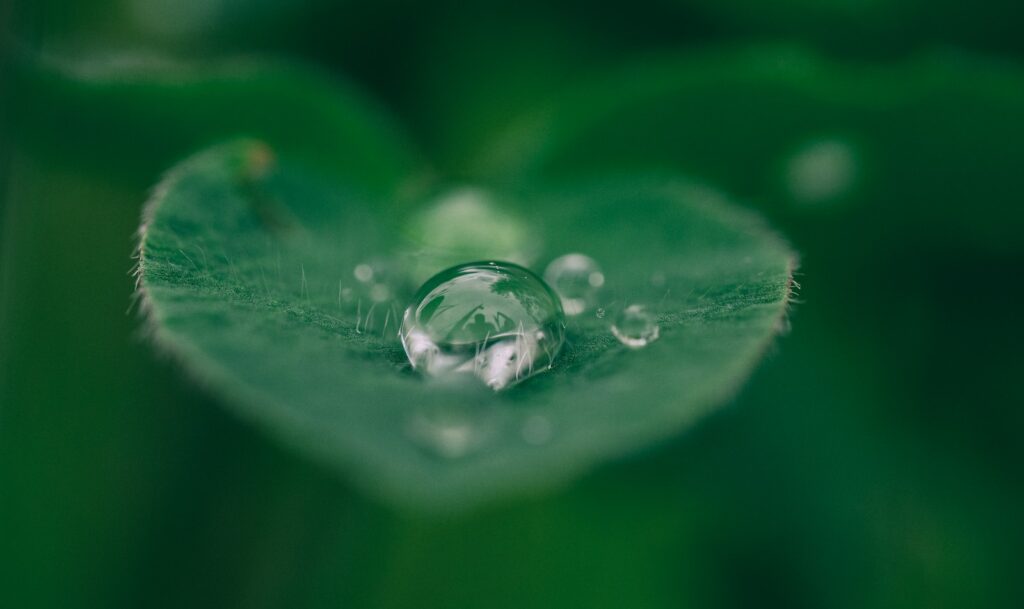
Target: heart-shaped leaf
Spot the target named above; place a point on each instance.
(251, 272)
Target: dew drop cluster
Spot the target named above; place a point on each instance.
(501, 324)
(495, 321)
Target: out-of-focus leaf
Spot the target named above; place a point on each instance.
(929, 149)
(135, 116)
(868, 27)
(243, 266)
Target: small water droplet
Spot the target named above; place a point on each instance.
(496, 321)
(636, 327)
(378, 280)
(380, 292)
(536, 429)
(363, 272)
(600, 313)
(577, 278)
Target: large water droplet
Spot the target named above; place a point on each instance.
(636, 327)
(496, 321)
(577, 278)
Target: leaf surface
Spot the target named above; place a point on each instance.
(246, 271)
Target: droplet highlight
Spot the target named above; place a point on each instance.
(578, 280)
(363, 272)
(636, 326)
(495, 321)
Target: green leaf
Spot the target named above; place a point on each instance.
(135, 115)
(870, 29)
(930, 145)
(242, 267)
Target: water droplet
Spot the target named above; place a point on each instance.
(496, 321)
(821, 171)
(377, 281)
(636, 327)
(363, 272)
(600, 313)
(577, 278)
(380, 292)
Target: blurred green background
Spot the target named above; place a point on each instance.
(874, 460)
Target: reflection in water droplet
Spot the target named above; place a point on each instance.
(636, 327)
(577, 278)
(496, 321)
(821, 171)
(536, 429)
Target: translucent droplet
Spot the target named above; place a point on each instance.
(578, 279)
(363, 272)
(377, 281)
(496, 321)
(636, 327)
(372, 301)
(600, 313)
(380, 292)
